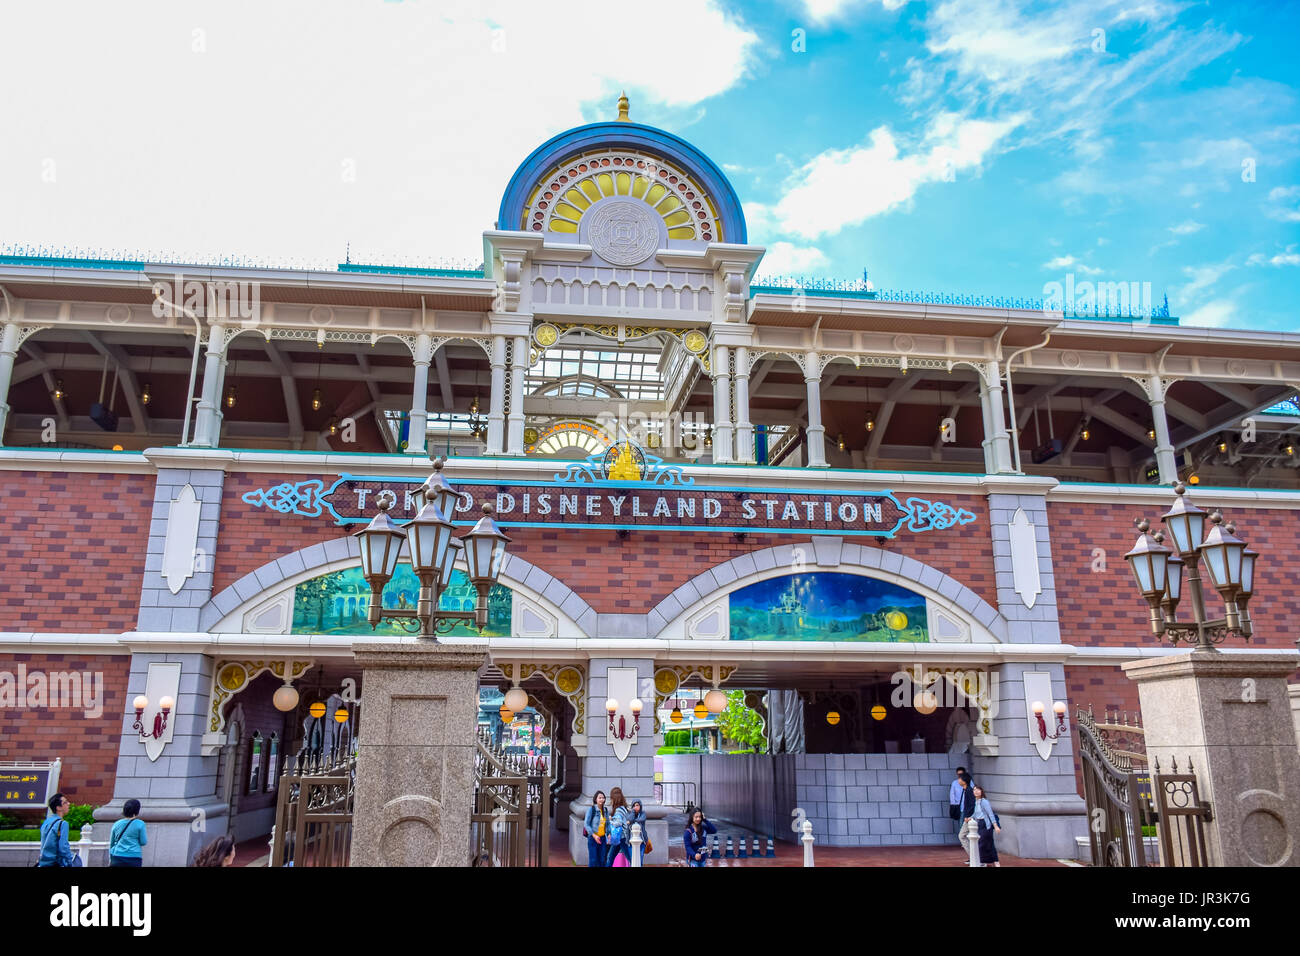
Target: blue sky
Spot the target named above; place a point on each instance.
(968, 146)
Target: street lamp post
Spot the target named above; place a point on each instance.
(433, 555)
(1159, 571)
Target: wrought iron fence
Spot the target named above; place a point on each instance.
(313, 815)
(510, 823)
(1183, 815)
(1117, 794)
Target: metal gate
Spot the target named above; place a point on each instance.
(313, 815)
(1117, 794)
(1183, 815)
(510, 824)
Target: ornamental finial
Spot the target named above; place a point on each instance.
(622, 108)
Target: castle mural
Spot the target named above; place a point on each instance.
(336, 603)
(827, 607)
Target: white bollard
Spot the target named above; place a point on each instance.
(973, 835)
(84, 851)
(270, 846)
(807, 839)
(636, 844)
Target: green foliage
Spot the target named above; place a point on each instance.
(742, 724)
(32, 835)
(79, 815)
(9, 822)
(677, 738)
(681, 750)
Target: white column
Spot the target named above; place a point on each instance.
(816, 433)
(518, 365)
(497, 402)
(219, 412)
(990, 455)
(417, 431)
(8, 349)
(998, 417)
(744, 427)
(722, 448)
(205, 417)
(1165, 460)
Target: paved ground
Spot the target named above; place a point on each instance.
(787, 854)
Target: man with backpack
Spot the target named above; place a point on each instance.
(55, 848)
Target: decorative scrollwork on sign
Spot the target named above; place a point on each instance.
(302, 498)
(925, 515)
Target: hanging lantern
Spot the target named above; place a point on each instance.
(506, 714)
(516, 699)
(878, 712)
(146, 395)
(315, 400)
(716, 701)
(334, 426)
(1223, 446)
(839, 441)
(230, 397)
(317, 709)
(832, 717)
(285, 698)
(58, 394)
(676, 715)
(1151, 433)
(701, 711)
(925, 702)
(1085, 434)
(708, 437)
(871, 423)
(341, 715)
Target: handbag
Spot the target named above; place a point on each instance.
(649, 847)
(954, 811)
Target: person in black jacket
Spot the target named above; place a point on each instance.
(967, 807)
(696, 838)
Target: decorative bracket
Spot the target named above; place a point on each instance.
(570, 680)
(230, 677)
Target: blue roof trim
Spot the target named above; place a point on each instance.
(412, 271)
(60, 262)
(627, 136)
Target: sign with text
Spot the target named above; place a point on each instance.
(27, 786)
(593, 503)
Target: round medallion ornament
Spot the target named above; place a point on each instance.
(568, 680)
(695, 341)
(624, 232)
(546, 335)
(531, 435)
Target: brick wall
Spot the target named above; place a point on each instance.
(87, 745)
(1107, 690)
(1104, 607)
(73, 547)
(613, 575)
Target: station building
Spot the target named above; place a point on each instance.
(895, 520)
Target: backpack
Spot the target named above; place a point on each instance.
(617, 829)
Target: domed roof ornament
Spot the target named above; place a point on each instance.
(622, 108)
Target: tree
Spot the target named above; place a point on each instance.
(742, 724)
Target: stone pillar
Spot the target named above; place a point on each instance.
(744, 427)
(816, 432)
(206, 428)
(518, 365)
(497, 402)
(178, 791)
(722, 429)
(417, 432)
(415, 757)
(1228, 716)
(8, 349)
(1030, 783)
(602, 770)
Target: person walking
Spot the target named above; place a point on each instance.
(127, 837)
(596, 827)
(220, 852)
(55, 848)
(954, 802)
(967, 810)
(620, 825)
(988, 824)
(696, 838)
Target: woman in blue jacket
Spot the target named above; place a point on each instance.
(127, 837)
(696, 838)
(988, 824)
(596, 825)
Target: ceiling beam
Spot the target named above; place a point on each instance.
(293, 410)
(896, 390)
(444, 379)
(130, 387)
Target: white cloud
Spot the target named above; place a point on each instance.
(1202, 277)
(1214, 314)
(824, 11)
(1187, 228)
(1288, 258)
(787, 259)
(315, 122)
(1283, 192)
(1070, 262)
(843, 187)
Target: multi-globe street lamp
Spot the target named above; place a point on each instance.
(433, 555)
(1159, 571)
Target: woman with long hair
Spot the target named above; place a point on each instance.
(696, 838)
(220, 852)
(127, 837)
(620, 822)
(988, 824)
(595, 826)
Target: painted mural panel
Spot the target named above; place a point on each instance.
(827, 606)
(336, 603)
